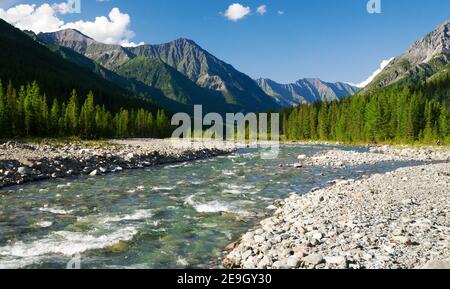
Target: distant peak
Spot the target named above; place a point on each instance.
(181, 39)
(69, 33)
(309, 80)
(184, 41)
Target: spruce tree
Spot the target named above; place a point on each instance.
(4, 132)
(72, 115)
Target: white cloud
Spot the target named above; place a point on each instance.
(261, 10)
(280, 12)
(366, 82)
(236, 12)
(131, 44)
(31, 17)
(111, 29)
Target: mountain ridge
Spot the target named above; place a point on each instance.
(420, 61)
(306, 90)
(237, 91)
(56, 75)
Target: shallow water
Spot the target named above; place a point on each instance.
(175, 216)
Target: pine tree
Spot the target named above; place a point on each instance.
(27, 113)
(20, 114)
(87, 117)
(443, 123)
(54, 118)
(72, 115)
(323, 124)
(162, 124)
(44, 117)
(13, 110)
(4, 125)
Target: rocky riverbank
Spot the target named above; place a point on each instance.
(396, 220)
(25, 162)
(340, 158)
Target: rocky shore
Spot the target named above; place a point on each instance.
(25, 162)
(399, 219)
(340, 158)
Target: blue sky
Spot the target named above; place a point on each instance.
(335, 40)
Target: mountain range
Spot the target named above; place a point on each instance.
(308, 90)
(179, 74)
(185, 73)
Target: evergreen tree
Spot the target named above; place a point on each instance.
(87, 117)
(55, 115)
(443, 123)
(72, 115)
(323, 123)
(4, 125)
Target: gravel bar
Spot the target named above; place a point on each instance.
(400, 219)
(25, 162)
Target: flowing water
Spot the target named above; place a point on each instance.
(175, 216)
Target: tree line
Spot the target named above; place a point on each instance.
(403, 113)
(26, 112)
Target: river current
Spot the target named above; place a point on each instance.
(173, 216)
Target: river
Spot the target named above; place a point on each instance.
(174, 216)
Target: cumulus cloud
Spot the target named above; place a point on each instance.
(366, 82)
(236, 12)
(261, 10)
(111, 29)
(31, 17)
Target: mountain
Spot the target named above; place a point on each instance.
(108, 55)
(176, 87)
(209, 72)
(307, 90)
(218, 84)
(23, 59)
(422, 60)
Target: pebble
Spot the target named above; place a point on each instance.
(293, 262)
(313, 259)
(94, 173)
(339, 260)
(24, 171)
(437, 265)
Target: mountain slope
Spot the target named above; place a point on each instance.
(135, 86)
(221, 84)
(307, 90)
(209, 72)
(22, 59)
(108, 55)
(422, 60)
(153, 72)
